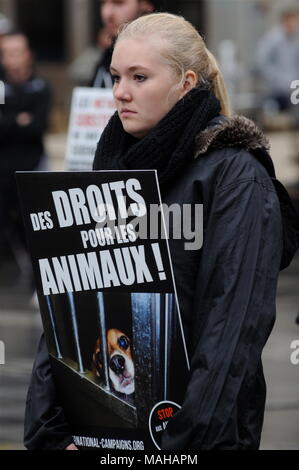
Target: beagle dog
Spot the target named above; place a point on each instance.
(120, 362)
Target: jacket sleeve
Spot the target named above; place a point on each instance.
(45, 426)
(234, 312)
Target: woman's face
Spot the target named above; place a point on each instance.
(145, 88)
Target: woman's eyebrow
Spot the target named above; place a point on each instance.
(112, 68)
(130, 69)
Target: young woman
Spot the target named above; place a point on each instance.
(173, 115)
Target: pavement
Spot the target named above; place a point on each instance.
(20, 328)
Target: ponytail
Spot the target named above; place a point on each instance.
(216, 79)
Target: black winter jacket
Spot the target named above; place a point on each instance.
(226, 292)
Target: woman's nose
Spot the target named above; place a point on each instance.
(122, 91)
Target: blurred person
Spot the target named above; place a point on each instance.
(277, 60)
(82, 68)
(5, 28)
(114, 13)
(5, 25)
(23, 122)
(173, 115)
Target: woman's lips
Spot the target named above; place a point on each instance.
(127, 112)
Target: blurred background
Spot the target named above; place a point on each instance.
(257, 45)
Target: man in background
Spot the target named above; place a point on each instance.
(278, 61)
(114, 13)
(23, 122)
(82, 68)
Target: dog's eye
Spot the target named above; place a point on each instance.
(123, 342)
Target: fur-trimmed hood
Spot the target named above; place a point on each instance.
(237, 131)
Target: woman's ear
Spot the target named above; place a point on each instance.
(190, 81)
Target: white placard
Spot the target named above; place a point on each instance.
(91, 110)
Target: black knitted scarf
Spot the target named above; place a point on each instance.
(168, 147)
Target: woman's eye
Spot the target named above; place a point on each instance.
(115, 78)
(139, 78)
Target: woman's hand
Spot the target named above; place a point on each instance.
(71, 447)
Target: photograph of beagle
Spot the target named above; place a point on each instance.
(120, 361)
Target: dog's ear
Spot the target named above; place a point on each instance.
(97, 365)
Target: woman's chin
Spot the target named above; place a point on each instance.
(138, 134)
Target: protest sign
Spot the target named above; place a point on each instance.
(91, 110)
(108, 303)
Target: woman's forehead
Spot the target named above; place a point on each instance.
(130, 53)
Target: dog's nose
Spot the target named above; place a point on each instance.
(117, 364)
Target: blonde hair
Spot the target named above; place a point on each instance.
(183, 49)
